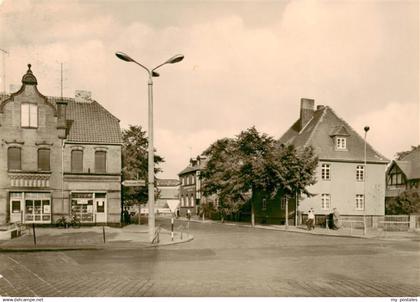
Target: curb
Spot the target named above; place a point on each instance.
(107, 246)
(298, 231)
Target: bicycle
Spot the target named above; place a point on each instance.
(63, 223)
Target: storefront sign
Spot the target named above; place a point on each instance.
(47, 209)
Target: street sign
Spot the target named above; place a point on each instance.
(173, 204)
(134, 183)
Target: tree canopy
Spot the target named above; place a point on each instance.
(135, 162)
(252, 162)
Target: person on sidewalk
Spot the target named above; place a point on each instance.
(336, 219)
(188, 214)
(126, 216)
(311, 220)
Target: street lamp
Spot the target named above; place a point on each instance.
(364, 185)
(151, 173)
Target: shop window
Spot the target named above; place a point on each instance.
(29, 115)
(100, 161)
(44, 160)
(14, 160)
(37, 207)
(82, 206)
(77, 161)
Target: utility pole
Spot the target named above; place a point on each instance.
(4, 53)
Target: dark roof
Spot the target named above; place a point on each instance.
(319, 133)
(191, 168)
(410, 164)
(90, 122)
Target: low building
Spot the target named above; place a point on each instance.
(58, 157)
(343, 180)
(403, 178)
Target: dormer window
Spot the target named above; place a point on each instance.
(29, 115)
(340, 143)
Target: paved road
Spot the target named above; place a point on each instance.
(222, 260)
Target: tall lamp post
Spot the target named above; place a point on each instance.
(151, 164)
(364, 184)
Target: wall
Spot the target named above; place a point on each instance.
(343, 188)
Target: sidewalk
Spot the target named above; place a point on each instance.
(320, 231)
(89, 238)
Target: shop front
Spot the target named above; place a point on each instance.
(30, 207)
(89, 207)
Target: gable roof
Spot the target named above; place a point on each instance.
(410, 164)
(89, 122)
(319, 133)
(196, 167)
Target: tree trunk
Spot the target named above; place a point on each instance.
(286, 213)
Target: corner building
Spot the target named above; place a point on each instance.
(58, 157)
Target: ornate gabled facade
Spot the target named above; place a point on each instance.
(58, 157)
(343, 181)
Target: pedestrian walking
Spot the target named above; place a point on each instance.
(189, 214)
(336, 219)
(311, 220)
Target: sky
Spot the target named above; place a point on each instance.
(247, 63)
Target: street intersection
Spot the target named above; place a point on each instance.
(222, 260)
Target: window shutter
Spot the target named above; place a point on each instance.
(100, 161)
(77, 161)
(44, 159)
(14, 158)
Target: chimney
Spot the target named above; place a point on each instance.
(82, 96)
(61, 118)
(306, 111)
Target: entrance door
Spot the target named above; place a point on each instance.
(16, 207)
(100, 204)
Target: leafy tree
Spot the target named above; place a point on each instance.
(254, 163)
(406, 203)
(135, 163)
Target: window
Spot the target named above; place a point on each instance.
(325, 201)
(14, 158)
(360, 202)
(264, 204)
(191, 201)
(100, 162)
(325, 172)
(283, 202)
(29, 115)
(360, 173)
(44, 159)
(37, 207)
(77, 161)
(340, 143)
